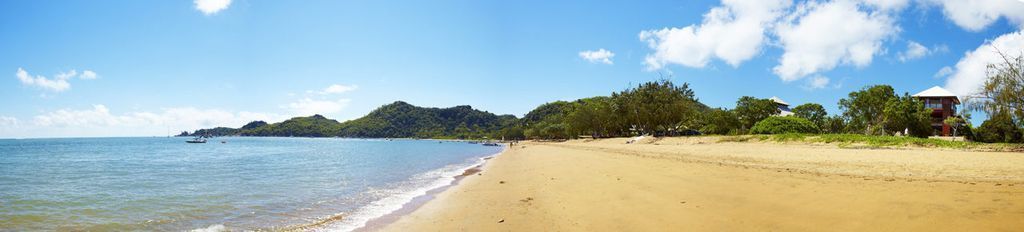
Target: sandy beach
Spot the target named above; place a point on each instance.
(699, 184)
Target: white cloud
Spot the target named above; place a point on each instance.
(887, 5)
(599, 55)
(101, 121)
(943, 72)
(817, 82)
(916, 51)
(817, 37)
(308, 106)
(88, 75)
(6, 122)
(971, 70)
(59, 83)
(975, 15)
(56, 85)
(209, 7)
(66, 75)
(336, 89)
(733, 32)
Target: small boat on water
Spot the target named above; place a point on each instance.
(196, 140)
(492, 144)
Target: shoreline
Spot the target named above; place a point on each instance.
(417, 202)
(691, 184)
(332, 223)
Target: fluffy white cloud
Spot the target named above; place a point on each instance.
(66, 75)
(185, 117)
(599, 55)
(971, 70)
(915, 51)
(209, 7)
(336, 89)
(817, 37)
(8, 122)
(88, 75)
(733, 32)
(887, 5)
(943, 72)
(308, 106)
(975, 15)
(817, 82)
(56, 85)
(101, 121)
(59, 83)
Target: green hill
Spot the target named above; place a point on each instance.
(395, 120)
(402, 120)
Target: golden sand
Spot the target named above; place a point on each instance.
(698, 184)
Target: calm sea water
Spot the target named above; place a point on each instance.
(119, 184)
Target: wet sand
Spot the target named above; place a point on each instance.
(699, 184)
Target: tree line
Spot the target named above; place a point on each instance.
(665, 108)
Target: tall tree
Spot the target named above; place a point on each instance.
(720, 121)
(999, 128)
(592, 116)
(907, 114)
(751, 110)
(657, 107)
(864, 108)
(1003, 91)
(834, 125)
(813, 112)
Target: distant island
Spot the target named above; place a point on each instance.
(395, 120)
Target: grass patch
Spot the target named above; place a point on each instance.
(875, 141)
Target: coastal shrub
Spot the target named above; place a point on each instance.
(833, 125)
(864, 108)
(1000, 128)
(784, 125)
(719, 122)
(907, 114)
(813, 112)
(750, 110)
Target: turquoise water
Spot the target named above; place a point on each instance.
(143, 184)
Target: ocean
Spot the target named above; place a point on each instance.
(245, 183)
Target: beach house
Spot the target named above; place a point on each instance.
(943, 104)
(782, 105)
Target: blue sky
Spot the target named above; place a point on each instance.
(158, 66)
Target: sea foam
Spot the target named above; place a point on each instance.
(418, 185)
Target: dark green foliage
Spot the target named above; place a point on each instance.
(312, 126)
(511, 132)
(549, 112)
(253, 125)
(907, 114)
(783, 125)
(751, 110)
(833, 125)
(217, 131)
(593, 116)
(720, 122)
(865, 108)
(658, 107)
(812, 112)
(396, 120)
(547, 121)
(402, 120)
(999, 128)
